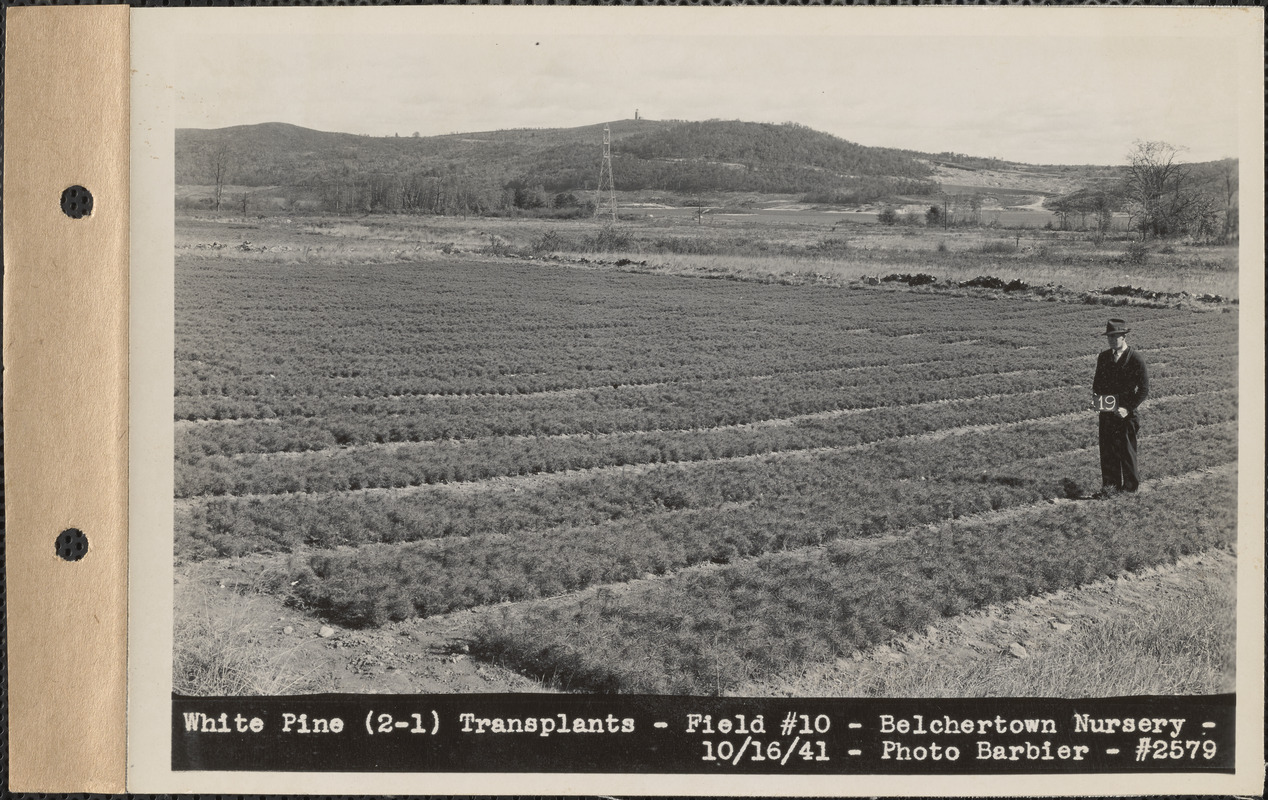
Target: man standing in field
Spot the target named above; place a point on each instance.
(1120, 386)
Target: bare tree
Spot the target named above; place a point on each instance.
(1159, 184)
(1100, 202)
(1229, 186)
(975, 209)
(218, 169)
(1205, 215)
(1104, 209)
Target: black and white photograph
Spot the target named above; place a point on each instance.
(706, 355)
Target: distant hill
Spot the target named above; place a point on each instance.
(277, 153)
(647, 154)
(526, 167)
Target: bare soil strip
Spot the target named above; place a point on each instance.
(566, 392)
(778, 422)
(514, 482)
(191, 424)
(572, 390)
(988, 518)
(185, 424)
(1018, 512)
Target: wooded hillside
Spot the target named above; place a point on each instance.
(287, 167)
(647, 154)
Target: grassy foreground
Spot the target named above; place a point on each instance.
(707, 631)
(221, 646)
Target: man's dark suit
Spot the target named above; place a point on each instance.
(1128, 381)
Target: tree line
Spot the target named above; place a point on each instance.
(1162, 196)
(472, 193)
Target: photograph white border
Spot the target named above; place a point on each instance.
(156, 84)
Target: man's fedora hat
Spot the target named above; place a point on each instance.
(1116, 327)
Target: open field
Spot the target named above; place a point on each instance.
(808, 245)
(648, 481)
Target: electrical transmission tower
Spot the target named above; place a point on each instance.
(605, 205)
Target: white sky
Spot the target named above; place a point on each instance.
(1064, 86)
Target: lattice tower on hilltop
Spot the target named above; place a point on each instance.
(605, 196)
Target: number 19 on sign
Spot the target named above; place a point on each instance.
(1106, 402)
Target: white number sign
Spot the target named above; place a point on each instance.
(1106, 402)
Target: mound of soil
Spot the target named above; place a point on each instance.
(919, 279)
(1147, 294)
(992, 282)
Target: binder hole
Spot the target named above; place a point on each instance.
(77, 202)
(71, 544)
